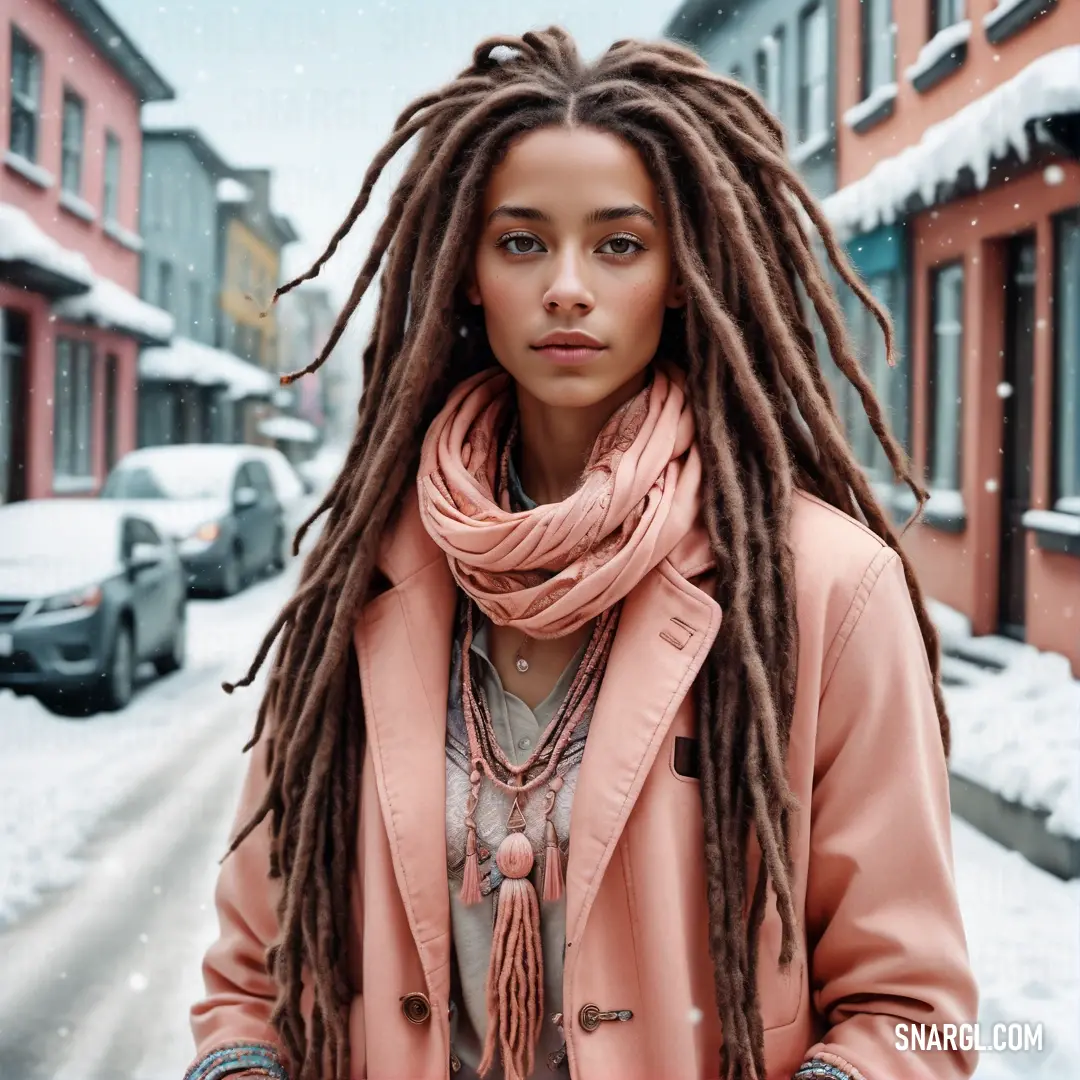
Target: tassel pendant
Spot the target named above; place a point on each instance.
(470, 878)
(515, 981)
(553, 874)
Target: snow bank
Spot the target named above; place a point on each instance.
(970, 139)
(184, 360)
(938, 47)
(23, 241)
(111, 306)
(1016, 732)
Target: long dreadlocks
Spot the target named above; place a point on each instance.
(742, 225)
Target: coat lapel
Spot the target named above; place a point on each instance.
(403, 640)
(665, 632)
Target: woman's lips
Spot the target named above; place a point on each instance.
(569, 354)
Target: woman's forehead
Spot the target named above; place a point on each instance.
(569, 173)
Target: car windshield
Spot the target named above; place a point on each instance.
(169, 478)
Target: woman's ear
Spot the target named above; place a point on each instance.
(676, 297)
(472, 290)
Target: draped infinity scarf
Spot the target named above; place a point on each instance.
(549, 570)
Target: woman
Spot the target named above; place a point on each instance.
(604, 733)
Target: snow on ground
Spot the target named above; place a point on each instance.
(59, 778)
(1023, 932)
(1016, 732)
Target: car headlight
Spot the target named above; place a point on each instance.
(81, 598)
(208, 532)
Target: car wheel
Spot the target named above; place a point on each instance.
(173, 660)
(119, 678)
(278, 556)
(231, 579)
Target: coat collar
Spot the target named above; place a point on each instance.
(403, 642)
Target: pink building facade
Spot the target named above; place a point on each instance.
(71, 322)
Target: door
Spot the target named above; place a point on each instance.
(1017, 431)
(12, 434)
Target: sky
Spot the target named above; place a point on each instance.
(311, 88)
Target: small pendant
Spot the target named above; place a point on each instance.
(522, 664)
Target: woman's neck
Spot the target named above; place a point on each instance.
(555, 441)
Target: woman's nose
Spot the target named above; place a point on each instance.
(569, 289)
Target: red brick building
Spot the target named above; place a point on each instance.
(959, 194)
(71, 321)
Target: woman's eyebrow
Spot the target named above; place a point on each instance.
(595, 217)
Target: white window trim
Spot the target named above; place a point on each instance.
(125, 237)
(28, 169)
(69, 485)
(76, 205)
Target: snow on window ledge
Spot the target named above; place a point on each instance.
(1052, 521)
(71, 485)
(810, 146)
(937, 50)
(1068, 504)
(77, 206)
(944, 509)
(125, 237)
(28, 170)
(873, 108)
(1010, 16)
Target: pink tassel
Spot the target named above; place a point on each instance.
(470, 881)
(515, 982)
(553, 876)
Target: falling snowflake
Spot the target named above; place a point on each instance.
(1004, 390)
(991, 485)
(138, 982)
(695, 1016)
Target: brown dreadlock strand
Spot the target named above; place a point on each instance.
(766, 426)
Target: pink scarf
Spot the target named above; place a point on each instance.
(550, 570)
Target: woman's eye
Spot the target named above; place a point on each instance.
(519, 244)
(621, 245)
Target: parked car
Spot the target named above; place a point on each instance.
(88, 590)
(290, 485)
(217, 502)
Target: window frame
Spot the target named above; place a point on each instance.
(25, 103)
(946, 13)
(72, 149)
(869, 39)
(166, 285)
(73, 412)
(110, 184)
(945, 477)
(813, 86)
(1066, 487)
(769, 68)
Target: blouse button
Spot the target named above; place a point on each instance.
(525, 744)
(416, 1007)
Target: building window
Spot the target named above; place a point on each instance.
(945, 381)
(111, 197)
(736, 73)
(25, 96)
(165, 286)
(73, 410)
(878, 46)
(195, 306)
(769, 62)
(1067, 347)
(71, 149)
(945, 13)
(813, 119)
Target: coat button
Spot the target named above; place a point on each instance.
(590, 1017)
(417, 1008)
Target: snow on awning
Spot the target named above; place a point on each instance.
(985, 130)
(184, 360)
(30, 257)
(289, 429)
(112, 307)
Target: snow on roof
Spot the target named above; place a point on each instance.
(23, 241)
(184, 360)
(971, 138)
(289, 429)
(111, 306)
(232, 191)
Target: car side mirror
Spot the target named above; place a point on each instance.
(143, 556)
(245, 497)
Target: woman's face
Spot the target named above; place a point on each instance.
(573, 265)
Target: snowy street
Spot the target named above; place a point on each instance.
(108, 872)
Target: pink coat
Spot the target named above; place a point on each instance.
(882, 940)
